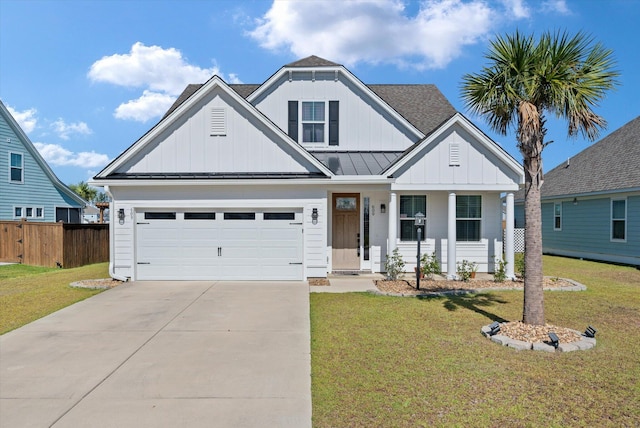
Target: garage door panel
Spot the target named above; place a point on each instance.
(220, 247)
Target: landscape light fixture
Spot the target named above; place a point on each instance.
(554, 339)
(121, 215)
(418, 222)
(590, 332)
(494, 328)
(314, 216)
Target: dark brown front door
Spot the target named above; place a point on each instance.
(346, 231)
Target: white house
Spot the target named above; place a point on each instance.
(309, 173)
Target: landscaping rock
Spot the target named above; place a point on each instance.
(519, 345)
(539, 346)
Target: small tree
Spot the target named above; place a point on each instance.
(85, 191)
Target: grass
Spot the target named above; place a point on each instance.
(28, 292)
(382, 361)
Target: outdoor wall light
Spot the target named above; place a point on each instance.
(554, 339)
(494, 328)
(314, 216)
(575, 201)
(121, 216)
(590, 332)
(383, 208)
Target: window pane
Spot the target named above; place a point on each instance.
(618, 209)
(412, 204)
(239, 216)
(16, 160)
(469, 206)
(313, 111)
(346, 204)
(39, 212)
(29, 212)
(199, 216)
(618, 229)
(557, 208)
(557, 223)
(160, 216)
(279, 216)
(318, 111)
(408, 231)
(16, 174)
(307, 111)
(467, 230)
(313, 133)
(17, 212)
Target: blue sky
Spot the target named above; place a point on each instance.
(86, 79)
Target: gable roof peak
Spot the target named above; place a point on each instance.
(312, 61)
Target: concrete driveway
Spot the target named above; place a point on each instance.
(164, 354)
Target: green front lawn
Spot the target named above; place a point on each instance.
(405, 362)
(28, 292)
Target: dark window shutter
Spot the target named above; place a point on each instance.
(333, 122)
(293, 120)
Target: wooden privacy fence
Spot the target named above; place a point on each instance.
(53, 244)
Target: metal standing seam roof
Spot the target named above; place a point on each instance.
(611, 164)
(356, 163)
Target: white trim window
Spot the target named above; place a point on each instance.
(313, 121)
(18, 212)
(468, 218)
(619, 220)
(557, 216)
(410, 205)
(16, 167)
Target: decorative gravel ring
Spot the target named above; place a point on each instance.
(582, 344)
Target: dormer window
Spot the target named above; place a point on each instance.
(317, 121)
(313, 122)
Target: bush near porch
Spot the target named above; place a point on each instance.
(381, 361)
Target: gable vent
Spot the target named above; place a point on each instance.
(454, 154)
(218, 121)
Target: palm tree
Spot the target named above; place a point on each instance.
(559, 74)
(85, 191)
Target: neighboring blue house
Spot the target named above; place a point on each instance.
(591, 203)
(28, 187)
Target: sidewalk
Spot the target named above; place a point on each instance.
(348, 283)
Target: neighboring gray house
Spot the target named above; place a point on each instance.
(308, 173)
(591, 202)
(28, 187)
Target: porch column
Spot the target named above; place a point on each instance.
(451, 237)
(393, 223)
(509, 238)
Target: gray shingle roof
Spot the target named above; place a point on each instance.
(611, 164)
(423, 106)
(356, 163)
(312, 61)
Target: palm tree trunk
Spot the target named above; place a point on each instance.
(533, 312)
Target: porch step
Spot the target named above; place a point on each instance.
(350, 272)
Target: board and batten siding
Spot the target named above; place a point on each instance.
(246, 146)
(219, 199)
(363, 124)
(586, 230)
(476, 165)
(36, 190)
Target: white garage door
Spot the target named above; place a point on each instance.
(219, 245)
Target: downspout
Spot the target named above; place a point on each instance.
(112, 250)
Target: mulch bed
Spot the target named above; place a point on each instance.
(104, 283)
(408, 287)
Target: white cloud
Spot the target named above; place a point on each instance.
(63, 129)
(151, 67)
(517, 8)
(161, 73)
(26, 118)
(375, 30)
(148, 106)
(57, 155)
(557, 6)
